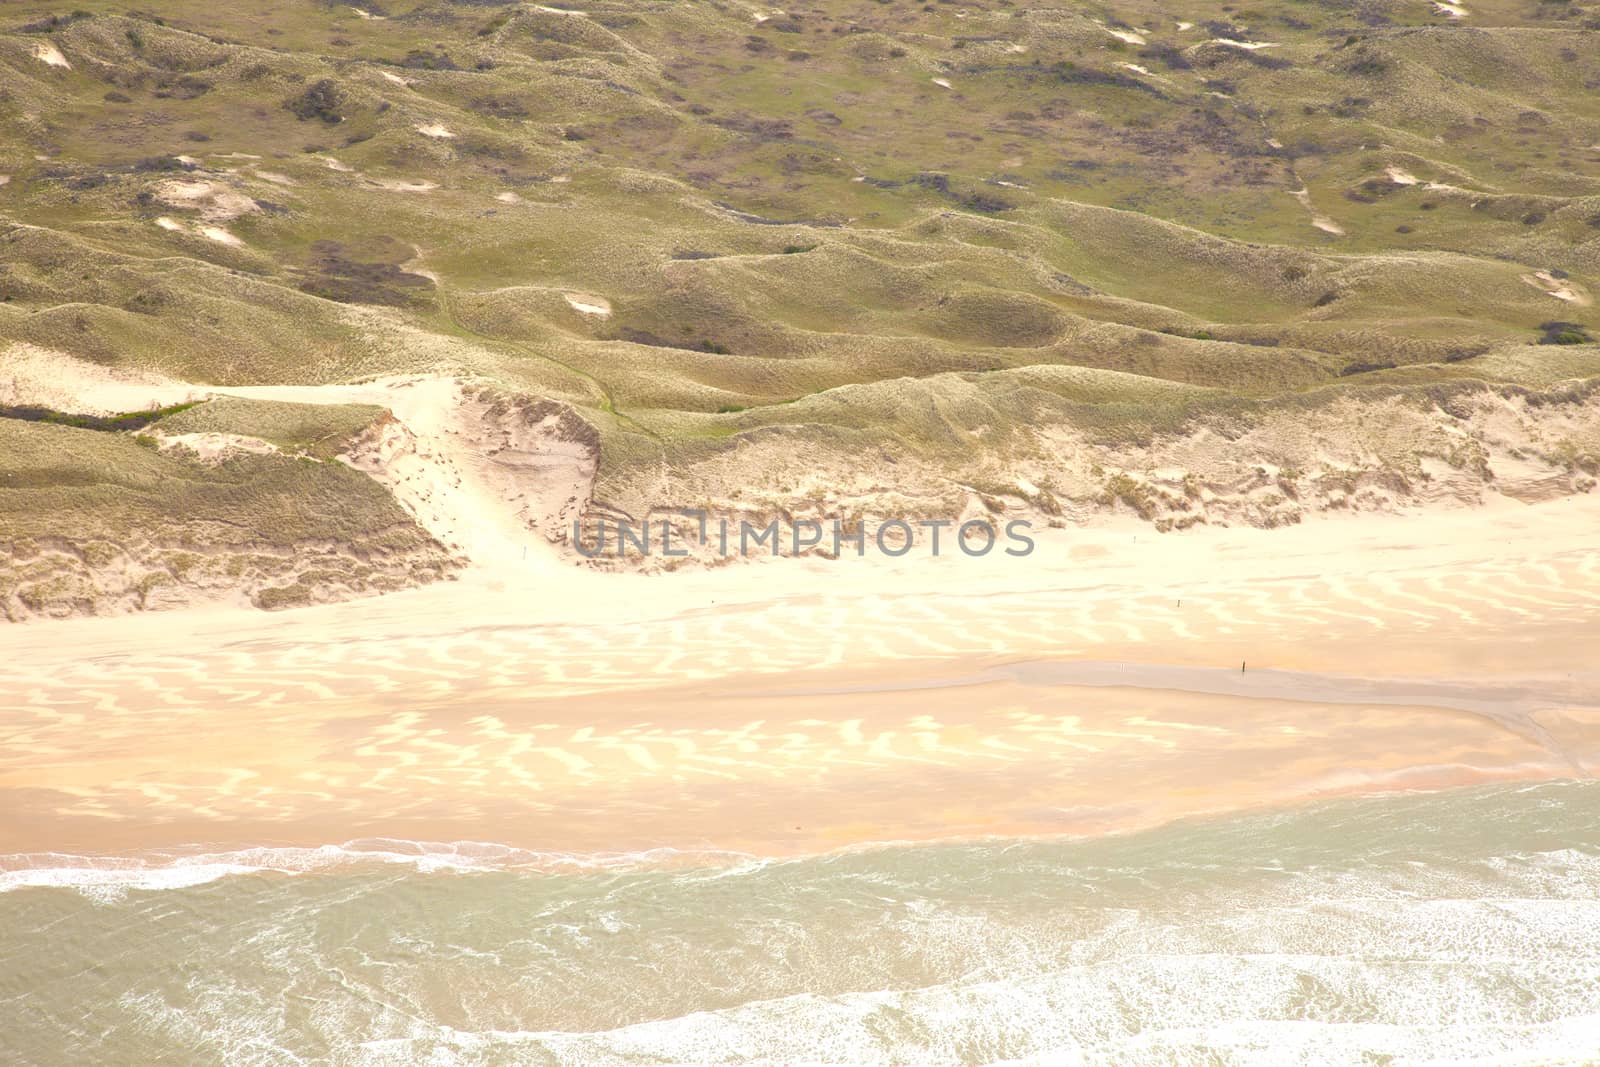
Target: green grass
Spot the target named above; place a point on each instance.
(803, 236)
(91, 520)
(94, 485)
(318, 430)
(128, 420)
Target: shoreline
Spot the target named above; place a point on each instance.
(1089, 690)
(185, 865)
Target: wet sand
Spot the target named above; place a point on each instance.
(797, 706)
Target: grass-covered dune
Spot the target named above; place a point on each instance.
(97, 521)
(972, 242)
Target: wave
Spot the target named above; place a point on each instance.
(183, 868)
(1005, 1024)
(1135, 1006)
(1480, 820)
(1456, 927)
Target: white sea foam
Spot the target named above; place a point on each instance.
(1151, 1010)
(179, 869)
(1458, 927)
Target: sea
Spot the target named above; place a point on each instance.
(1456, 927)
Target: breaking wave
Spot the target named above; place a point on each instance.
(1454, 927)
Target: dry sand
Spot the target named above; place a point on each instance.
(395, 185)
(484, 489)
(1557, 287)
(49, 54)
(213, 447)
(1250, 46)
(791, 706)
(588, 304)
(214, 201)
(1319, 220)
(1126, 36)
(221, 236)
(784, 706)
(46, 377)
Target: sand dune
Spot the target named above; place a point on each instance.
(48, 378)
(478, 487)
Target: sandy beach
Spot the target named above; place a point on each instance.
(788, 707)
(862, 534)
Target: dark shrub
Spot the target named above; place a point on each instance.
(320, 101)
(1564, 333)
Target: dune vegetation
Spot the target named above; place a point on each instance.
(1211, 264)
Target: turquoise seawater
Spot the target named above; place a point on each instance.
(1451, 928)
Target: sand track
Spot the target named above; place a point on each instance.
(477, 468)
(32, 375)
(479, 475)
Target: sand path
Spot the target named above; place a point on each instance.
(452, 475)
(469, 484)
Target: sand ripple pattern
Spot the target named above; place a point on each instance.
(532, 718)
